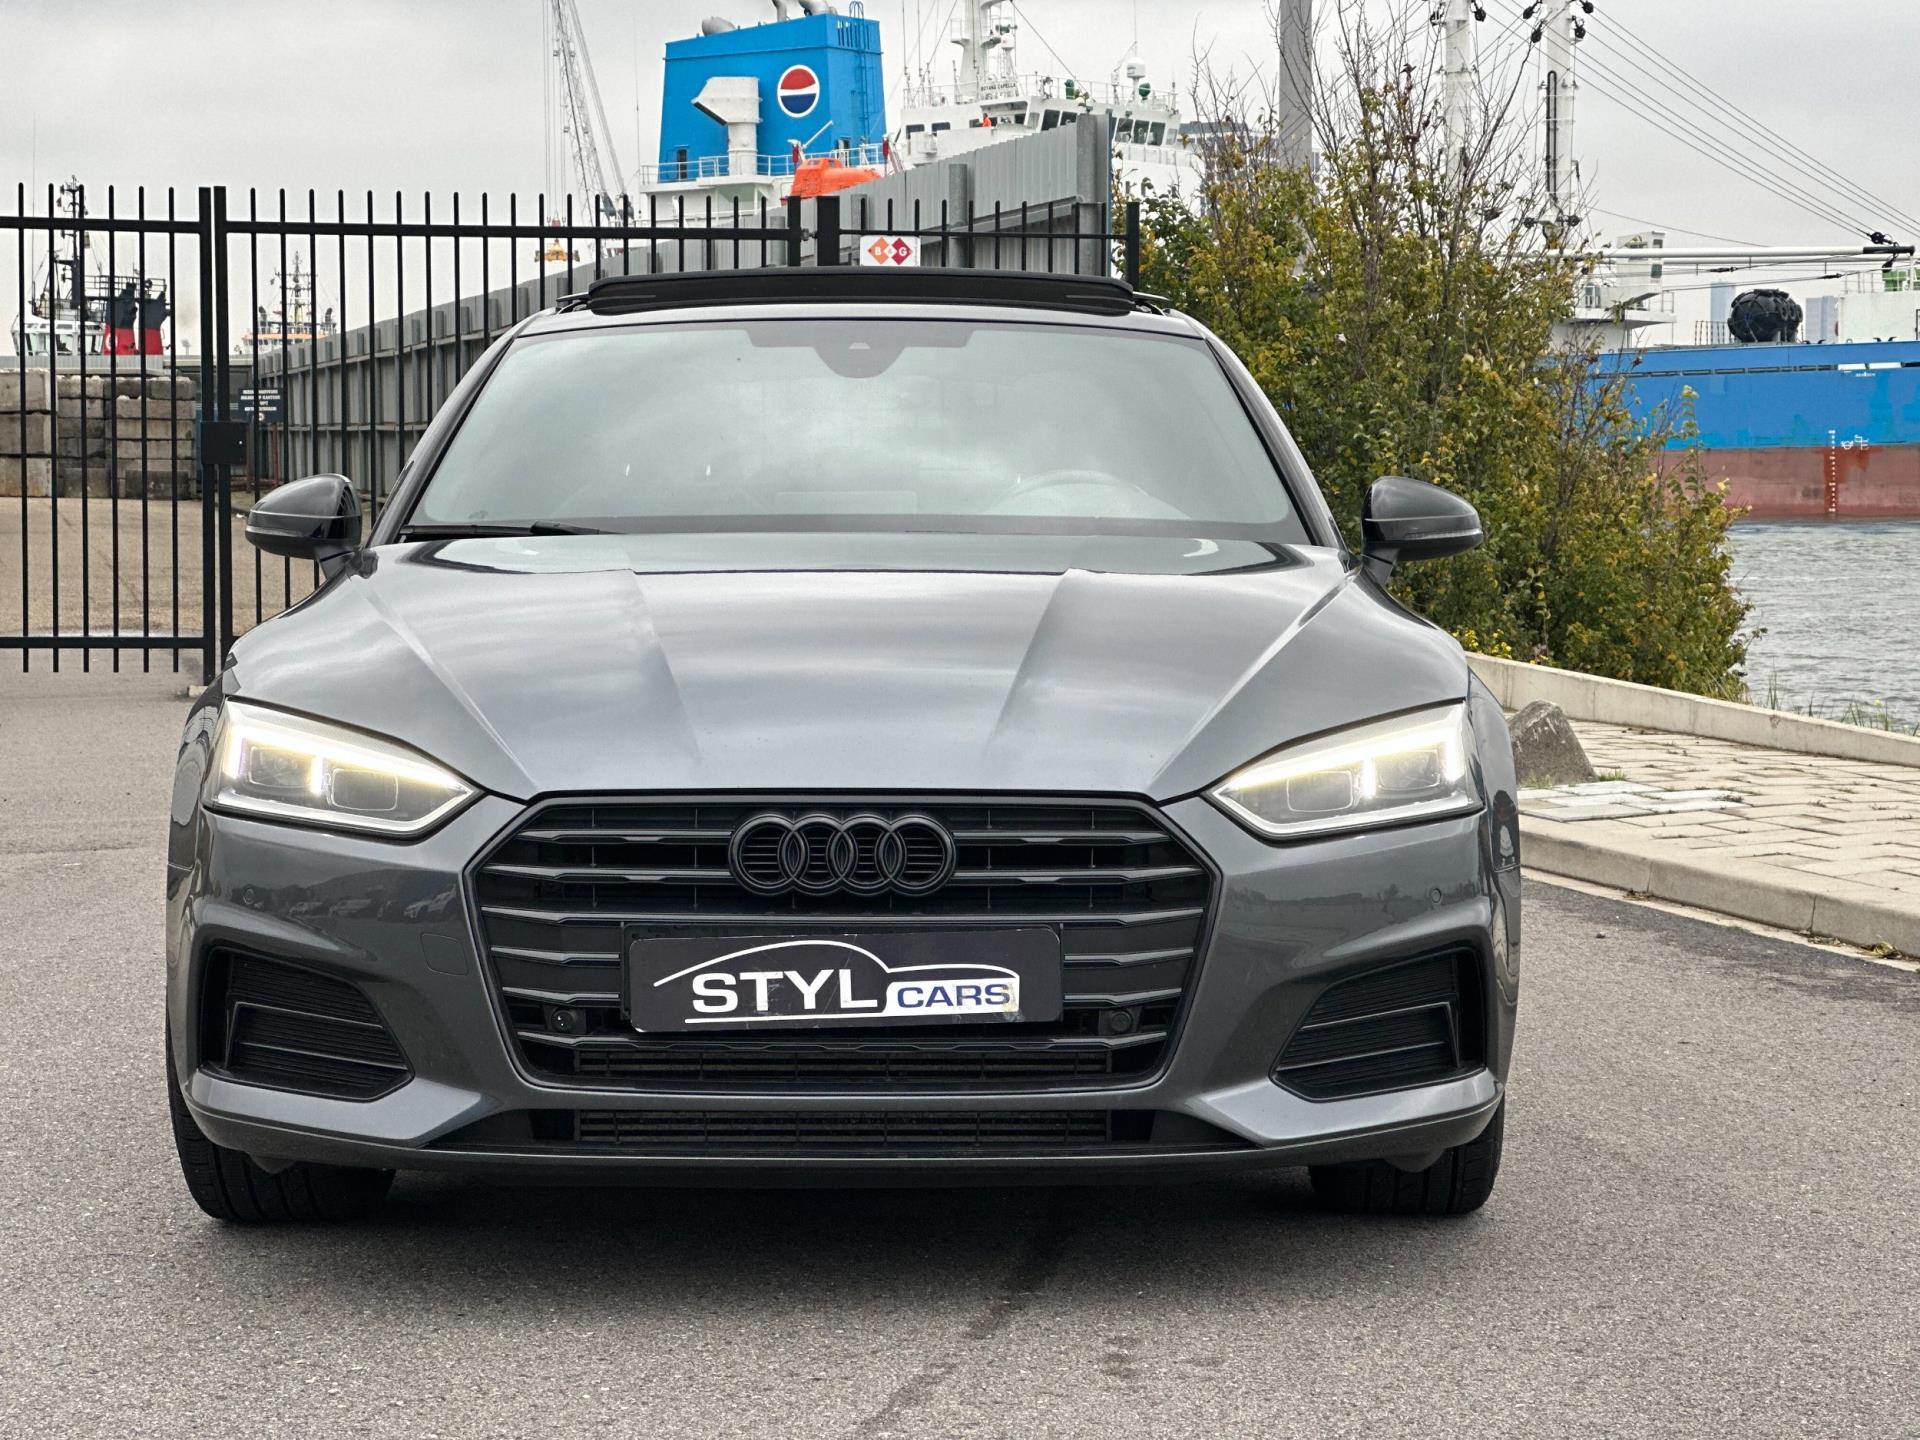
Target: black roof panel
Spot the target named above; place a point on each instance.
(814, 284)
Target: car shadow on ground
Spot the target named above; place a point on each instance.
(617, 1253)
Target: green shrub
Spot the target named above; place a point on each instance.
(1399, 313)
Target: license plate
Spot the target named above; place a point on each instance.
(801, 982)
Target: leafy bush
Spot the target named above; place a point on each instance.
(1398, 308)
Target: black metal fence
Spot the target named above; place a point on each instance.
(289, 341)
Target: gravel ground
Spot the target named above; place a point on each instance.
(1705, 1225)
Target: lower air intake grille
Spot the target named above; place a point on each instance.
(267, 1023)
(1413, 1023)
(880, 1132)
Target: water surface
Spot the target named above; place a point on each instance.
(1840, 604)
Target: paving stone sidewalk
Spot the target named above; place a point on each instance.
(1810, 842)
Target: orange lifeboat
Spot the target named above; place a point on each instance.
(824, 175)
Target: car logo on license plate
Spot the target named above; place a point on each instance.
(862, 984)
(833, 981)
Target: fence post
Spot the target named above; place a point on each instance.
(209, 638)
(1133, 244)
(221, 385)
(826, 225)
(796, 234)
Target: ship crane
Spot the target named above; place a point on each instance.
(580, 149)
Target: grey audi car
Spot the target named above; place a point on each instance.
(820, 726)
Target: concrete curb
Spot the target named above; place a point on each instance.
(1862, 915)
(1617, 702)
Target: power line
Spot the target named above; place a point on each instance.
(1653, 113)
(1686, 78)
(1677, 229)
(1752, 168)
(1490, 60)
(1836, 198)
(1740, 170)
(1509, 31)
(1715, 150)
(1834, 206)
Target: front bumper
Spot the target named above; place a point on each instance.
(1288, 921)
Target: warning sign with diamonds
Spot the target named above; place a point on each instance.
(892, 250)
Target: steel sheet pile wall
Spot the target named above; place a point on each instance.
(1042, 202)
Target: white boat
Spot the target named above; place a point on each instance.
(747, 151)
(295, 320)
(76, 308)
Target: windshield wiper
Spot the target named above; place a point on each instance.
(482, 530)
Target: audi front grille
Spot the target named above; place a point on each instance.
(556, 896)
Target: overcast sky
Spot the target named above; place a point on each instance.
(447, 94)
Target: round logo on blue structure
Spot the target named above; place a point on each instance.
(798, 90)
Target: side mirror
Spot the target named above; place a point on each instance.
(1412, 520)
(313, 519)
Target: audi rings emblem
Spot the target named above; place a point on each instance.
(818, 854)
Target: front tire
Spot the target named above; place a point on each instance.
(1458, 1183)
(230, 1187)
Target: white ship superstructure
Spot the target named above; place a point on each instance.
(295, 320)
(795, 103)
(986, 99)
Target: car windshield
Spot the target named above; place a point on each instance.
(851, 424)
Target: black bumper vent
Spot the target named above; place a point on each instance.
(1129, 898)
(268, 1023)
(1412, 1023)
(875, 1132)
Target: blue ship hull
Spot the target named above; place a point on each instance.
(1792, 430)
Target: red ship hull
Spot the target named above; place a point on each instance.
(1859, 482)
(127, 340)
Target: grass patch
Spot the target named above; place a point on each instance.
(1866, 714)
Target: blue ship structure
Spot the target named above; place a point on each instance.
(1792, 430)
(761, 92)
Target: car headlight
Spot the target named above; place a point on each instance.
(288, 767)
(1386, 772)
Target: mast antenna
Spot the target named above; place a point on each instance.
(1561, 25)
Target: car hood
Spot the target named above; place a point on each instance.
(560, 666)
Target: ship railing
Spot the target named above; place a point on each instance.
(1626, 298)
(1050, 89)
(872, 155)
(1134, 153)
(765, 167)
(1878, 281)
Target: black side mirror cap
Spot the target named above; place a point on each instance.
(1411, 520)
(314, 519)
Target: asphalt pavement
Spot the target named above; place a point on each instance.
(1706, 1225)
